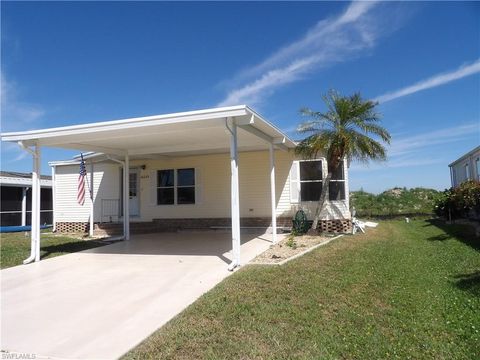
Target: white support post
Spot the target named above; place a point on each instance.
(126, 197)
(235, 198)
(272, 193)
(92, 220)
(36, 195)
(24, 206)
(54, 198)
(35, 221)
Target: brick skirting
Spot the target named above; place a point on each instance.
(164, 225)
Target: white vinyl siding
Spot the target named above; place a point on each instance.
(212, 187)
(105, 186)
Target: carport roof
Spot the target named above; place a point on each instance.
(184, 133)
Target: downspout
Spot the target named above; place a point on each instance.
(31, 258)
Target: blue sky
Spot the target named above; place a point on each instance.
(71, 63)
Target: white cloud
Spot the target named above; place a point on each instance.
(329, 41)
(15, 113)
(418, 150)
(442, 136)
(399, 163)
(434, 81)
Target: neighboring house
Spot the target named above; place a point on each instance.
(221, 167)
(15, 199)
(465, 168)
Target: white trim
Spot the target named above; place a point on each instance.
(294, 181)
(126, 202)
(128, 123)
(90, 195)
(73, 136)
(463, 157)
(21, 182)
(54, 198)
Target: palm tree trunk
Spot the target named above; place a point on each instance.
(321, 201)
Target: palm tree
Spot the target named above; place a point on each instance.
(349, 129)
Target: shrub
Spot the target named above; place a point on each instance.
(459, 202)
(394, 202)
(291, 242)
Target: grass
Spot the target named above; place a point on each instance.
(15, 247)
(405, 291)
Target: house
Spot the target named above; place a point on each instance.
(466, 167)
(15, 199)
(221, 167)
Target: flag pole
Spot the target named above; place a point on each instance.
(90, 191)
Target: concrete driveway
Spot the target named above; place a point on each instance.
(99, 303)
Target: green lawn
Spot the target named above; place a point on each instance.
(406, 291)
(15, 247)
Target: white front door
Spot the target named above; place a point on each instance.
(133, 193)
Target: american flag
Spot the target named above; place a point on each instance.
(81, 182)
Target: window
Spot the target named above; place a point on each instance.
(132, 184)
(176, 186)
(336, 189)
(310, 180)
(165, 187)
(477, 163)
(186, 186)
(467, 172)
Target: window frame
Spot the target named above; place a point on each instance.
(339, 181)
(300, 181)
(165, 187)
(175, 186)
(185, 186)
(324, 171)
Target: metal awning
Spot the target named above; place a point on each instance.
(184, 133)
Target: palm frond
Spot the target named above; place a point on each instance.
(349, 128)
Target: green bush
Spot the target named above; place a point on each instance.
(291, 242)
(394, 202)
(459, 202)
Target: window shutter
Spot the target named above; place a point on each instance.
(198, 186)
(153, 187)
(295, 182)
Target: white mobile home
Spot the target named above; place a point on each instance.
(466, 167)
(199, 169)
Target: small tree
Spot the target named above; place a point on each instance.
(343, 131)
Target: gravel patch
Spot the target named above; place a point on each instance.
(289, 247)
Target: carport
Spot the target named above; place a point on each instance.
(99, 303)
(219, 130)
